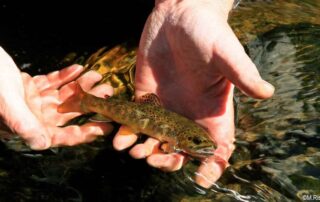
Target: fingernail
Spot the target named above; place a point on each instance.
(119, 145)
(75, 67)
(269, 87)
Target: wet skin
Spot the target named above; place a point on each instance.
(190, 58)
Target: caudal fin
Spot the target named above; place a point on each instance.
(73, 103)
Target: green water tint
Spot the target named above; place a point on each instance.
(277, 156)
(278, 150)
(253, 17)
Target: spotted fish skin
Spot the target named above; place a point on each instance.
(179, 132)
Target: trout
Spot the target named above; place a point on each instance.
(176, 132)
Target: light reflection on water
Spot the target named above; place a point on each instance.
(278, 143)
(277, 151)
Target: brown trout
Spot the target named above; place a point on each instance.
(175, 132)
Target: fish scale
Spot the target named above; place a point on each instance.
(179, 132)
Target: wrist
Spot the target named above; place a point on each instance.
(223, 6)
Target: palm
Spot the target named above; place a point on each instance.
(188, 81)
(189, 57)
(43, 94)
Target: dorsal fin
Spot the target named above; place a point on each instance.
(149, 98)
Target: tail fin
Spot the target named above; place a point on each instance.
(73, 103)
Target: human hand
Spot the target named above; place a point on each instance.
(190, 57)
(28, 105)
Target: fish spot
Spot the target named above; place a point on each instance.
(164, 128)
(144, 123)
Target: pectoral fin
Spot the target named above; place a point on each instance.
(99, 118)
(167, 148)
(126, 130)
(149, 98)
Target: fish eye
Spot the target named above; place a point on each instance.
(196, 140)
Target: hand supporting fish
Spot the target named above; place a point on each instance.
(177, 133)
(189, 56)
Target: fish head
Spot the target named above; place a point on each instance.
(198, 146)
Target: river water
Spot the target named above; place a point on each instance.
(277, 157)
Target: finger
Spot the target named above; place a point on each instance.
(166, 162)
(235, 64)
(102, 90)
(67, 91)
(89, 79)
(210, 171)
(50, 96)
(32, 95)
(73, 135)
(50, 102)
(124, 138)
(21, 120)
(52, 117)
(58, 78)
(144, 150)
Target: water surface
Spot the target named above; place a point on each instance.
(278, 142)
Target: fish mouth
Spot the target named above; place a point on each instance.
(202, 153)
(208, 151)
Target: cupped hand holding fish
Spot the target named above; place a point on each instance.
(190, 58)
(28, 105)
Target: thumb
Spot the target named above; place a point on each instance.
(236, 66)
(22, 121)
